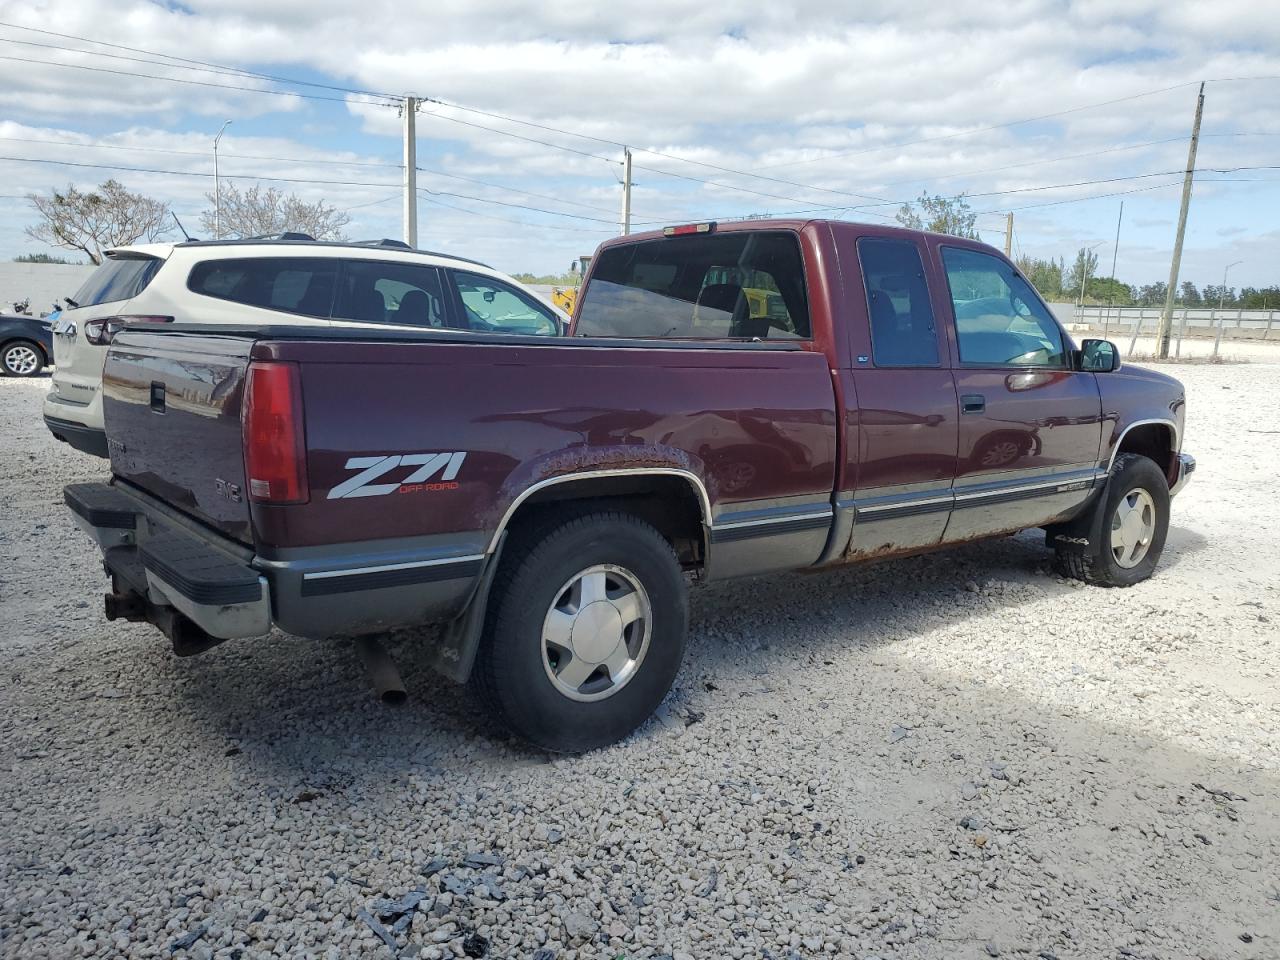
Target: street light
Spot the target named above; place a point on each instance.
(1222, 298)
(217, 193)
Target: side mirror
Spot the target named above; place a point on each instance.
(1099, 356)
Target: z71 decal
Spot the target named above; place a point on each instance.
(418, 481)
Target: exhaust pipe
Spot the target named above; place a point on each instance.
(382, 670)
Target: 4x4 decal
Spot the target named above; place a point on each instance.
(374, 468)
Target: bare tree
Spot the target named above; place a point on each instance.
(97, 220)
(940, 215)
(260, 211)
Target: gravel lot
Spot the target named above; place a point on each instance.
(949, 757)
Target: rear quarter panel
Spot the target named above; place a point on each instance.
(756, 427)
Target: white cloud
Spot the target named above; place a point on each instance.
(752, 86)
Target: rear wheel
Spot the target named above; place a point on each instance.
(21, 358)
(586, 631)
(1128, 537)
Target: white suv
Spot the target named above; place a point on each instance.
(290, 280)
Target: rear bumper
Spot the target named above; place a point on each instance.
(161, 564)
(1186, 467)
(165, 560)
(84, 438)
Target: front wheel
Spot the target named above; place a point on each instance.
(586, 631)
(21, 359)
(1128, 536)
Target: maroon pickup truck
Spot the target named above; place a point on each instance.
(732, 400)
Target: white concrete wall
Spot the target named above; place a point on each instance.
(43, 283)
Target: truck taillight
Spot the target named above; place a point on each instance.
(275, 463)
(684, 229)
(102, 331)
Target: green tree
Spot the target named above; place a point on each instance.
(1153, 294)
(1086, 265)
(1045, 275)
(949, 215)
(41, 258)
(1110, 290)
(1190, 296)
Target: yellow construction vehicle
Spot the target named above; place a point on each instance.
(566, 297)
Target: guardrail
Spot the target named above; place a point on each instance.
(1187, 322)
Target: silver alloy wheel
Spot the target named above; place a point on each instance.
(21, 360)
(1001, 453)
(1133, 526)
(596, 633)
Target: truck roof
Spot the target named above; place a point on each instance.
(782, 223)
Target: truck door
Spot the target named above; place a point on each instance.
(902, 450)
(1030, 425)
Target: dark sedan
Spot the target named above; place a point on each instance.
(26, 345)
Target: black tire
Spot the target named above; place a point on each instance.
(510, 674)
(1095, 561)
(15, 358)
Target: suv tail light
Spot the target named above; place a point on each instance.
(275, 460)
(102, 331)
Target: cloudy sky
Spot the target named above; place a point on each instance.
(1056, 111)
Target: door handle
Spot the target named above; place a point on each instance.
(973, 403)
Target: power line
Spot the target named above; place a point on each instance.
(343, 183)
(968, 133)
(196, 83)
(303, 160)
(522, 223)
(97, 145)
(194, 173)
(187, 60)
(519, 206)
(517, 136)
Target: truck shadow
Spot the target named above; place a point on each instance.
(301, 689)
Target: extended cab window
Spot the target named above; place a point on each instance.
(999, 319)
(747, 285)
(903, 332)
(116, 278)
(301, 285)
(377, 291)
(496, 307)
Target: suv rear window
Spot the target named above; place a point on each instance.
(117, 278)
(706, 287)
(301, 285)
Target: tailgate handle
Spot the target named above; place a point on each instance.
(973, 403)
(157, 396)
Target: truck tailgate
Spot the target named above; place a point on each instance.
(171, 405)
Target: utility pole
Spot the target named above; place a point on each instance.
(1115, 253)
(217, 193)
(1008, 234)
(626, 191)
(1166, 317)
(410, 171)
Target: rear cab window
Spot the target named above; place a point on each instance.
(903, 330)
(120, 277)
(718, 286)
(302, 285)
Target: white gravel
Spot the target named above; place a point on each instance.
(956, 756)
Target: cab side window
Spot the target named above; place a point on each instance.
(903, 331)
(999, 319)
